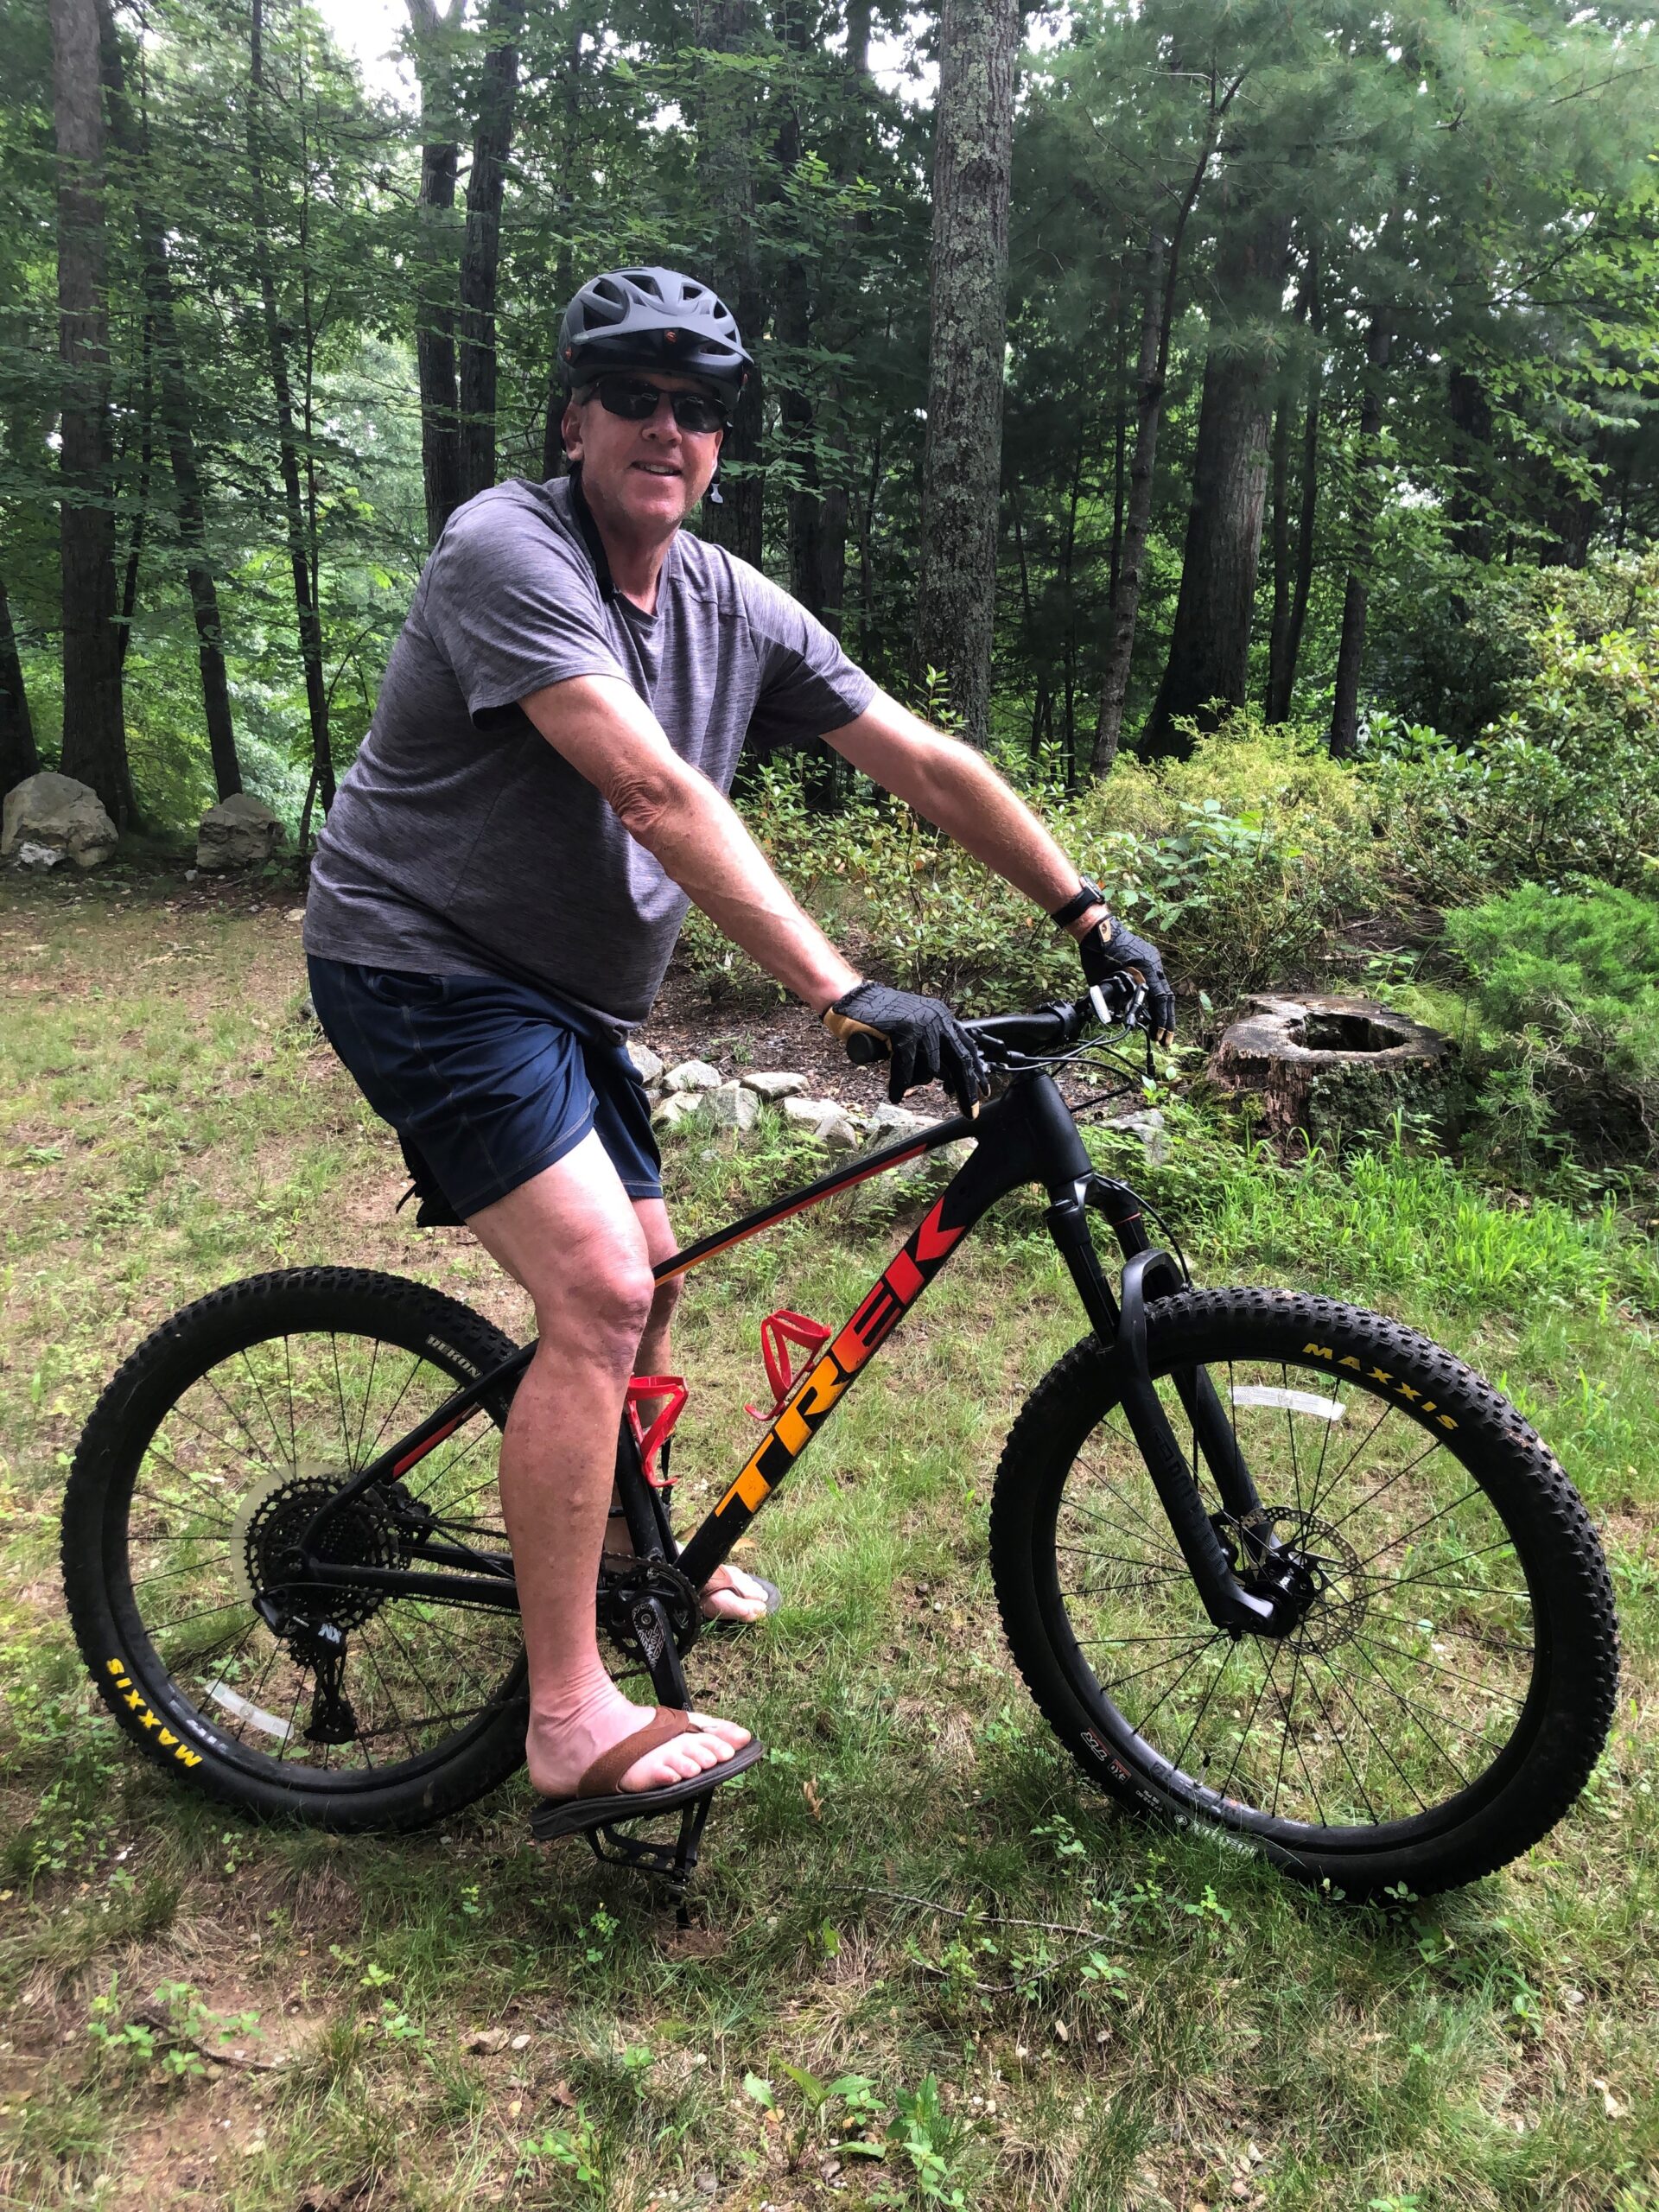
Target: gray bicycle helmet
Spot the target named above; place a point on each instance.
(652, 319)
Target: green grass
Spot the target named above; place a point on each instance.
(916, 1926)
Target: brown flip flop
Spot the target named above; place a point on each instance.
(597, 1800)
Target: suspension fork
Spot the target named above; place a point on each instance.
(1149, 1273)
(1229, 1605)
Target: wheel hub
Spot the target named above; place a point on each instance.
(267, 1532)
(1311, 1571)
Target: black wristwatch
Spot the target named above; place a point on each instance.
(1089, 894)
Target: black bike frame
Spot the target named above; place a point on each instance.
(1025, 1137)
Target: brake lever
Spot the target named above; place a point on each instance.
(1104, 1015)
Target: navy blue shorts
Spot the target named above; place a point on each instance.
(485, 1081)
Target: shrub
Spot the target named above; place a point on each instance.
(1234, 862)
(1568, 991)
(1563, 785)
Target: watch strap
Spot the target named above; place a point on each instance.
(1088, 894)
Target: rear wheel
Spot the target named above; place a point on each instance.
(1449, 1682)
(204, 1463)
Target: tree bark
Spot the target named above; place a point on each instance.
(94, 732)
(129, 602)
(1150, 376)
(564, 278)
(1281, 654)
(1279, 708)
(1471, 446)
(1351, 653)
(726, 166)
(1151, 381)
(18, 758)
(1209, 647)
(481, 254)
(308, 620)
(434, 31)
(175, 407)
(973, 152)
(1279, 624)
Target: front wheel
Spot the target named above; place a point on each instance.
(1449, 1682)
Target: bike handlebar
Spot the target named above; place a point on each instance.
(1050, 1028)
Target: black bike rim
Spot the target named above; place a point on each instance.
(1122, 1742)
(205, 1720)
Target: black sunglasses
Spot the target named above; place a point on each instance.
(636, 400)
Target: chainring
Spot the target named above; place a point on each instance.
(623, 1581)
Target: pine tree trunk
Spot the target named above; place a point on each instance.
(299, 554)
(1351, 653)
(1471, 450)
(433, 32)
(973, 151)
(18, 758)
(564, 279)
(1278, 625)
(1292, 570)
(726, 167)
(1150, 376)
(1209, 647)
(94, 733)
(175, 421)
(481, 255)
(1151, 379)
(1308, 512)
(128, 602)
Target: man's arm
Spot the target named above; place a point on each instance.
(951, 785)
(610, 736)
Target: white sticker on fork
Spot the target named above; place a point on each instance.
(245, 1709)
(1292, 1402)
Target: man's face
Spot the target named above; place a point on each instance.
(651, 474)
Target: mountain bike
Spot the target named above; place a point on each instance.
(1268, 1564)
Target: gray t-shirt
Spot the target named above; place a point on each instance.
(461, 841)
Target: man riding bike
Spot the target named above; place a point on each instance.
(499, 885)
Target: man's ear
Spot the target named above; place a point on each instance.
(570, 430)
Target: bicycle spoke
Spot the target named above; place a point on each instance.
(1378, 1713)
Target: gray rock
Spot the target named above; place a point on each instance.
(58, 814)
(733, 1108)
(837, 1132)
(38, 858)
(808, 1111)
(648, 1067)
(892, 1124)
(692, 1075)
(241, 831)
(1149, 1126)
(668, 1113)
(775, 1086)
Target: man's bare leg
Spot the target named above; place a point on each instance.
(571, 1238)
(738, 1597)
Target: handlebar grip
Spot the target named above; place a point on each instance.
(864, 1050)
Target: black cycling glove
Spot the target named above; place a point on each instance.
(1111, 950)
(925, 1042)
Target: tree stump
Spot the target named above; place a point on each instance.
(1329, 1067)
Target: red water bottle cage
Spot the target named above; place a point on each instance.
(778, 1332)
(650, 1441)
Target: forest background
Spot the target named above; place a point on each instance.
(1188, 358)
(1241, 420)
